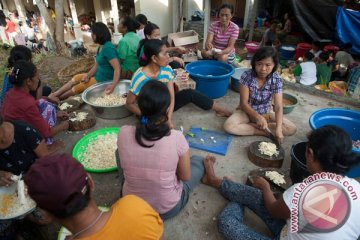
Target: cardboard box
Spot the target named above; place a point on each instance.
(181, 85)
(188, 39)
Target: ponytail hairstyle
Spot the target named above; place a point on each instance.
(153, 101)
(332, 147)
(148, 29)
(22, 71)
(19, 52)
(151, 47)
(142, 19)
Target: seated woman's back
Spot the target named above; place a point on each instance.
(153, 157)
(150, 173)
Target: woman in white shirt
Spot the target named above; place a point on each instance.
(326, 205)
(142, 20)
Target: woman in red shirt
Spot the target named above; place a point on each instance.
(10, 30)
(20, 105)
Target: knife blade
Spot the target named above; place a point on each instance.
(272, 137)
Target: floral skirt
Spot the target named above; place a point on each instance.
(48, 112)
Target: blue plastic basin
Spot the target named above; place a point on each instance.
(286, 53)
(235, 85)
(211, 77)
(349, 120)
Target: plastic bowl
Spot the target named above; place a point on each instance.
(349, 120)
(287, 98)
(85, 141)
(211, 77)
(252, 47)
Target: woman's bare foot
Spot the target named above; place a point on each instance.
(220, 111)
(210, 178)
(224, 113)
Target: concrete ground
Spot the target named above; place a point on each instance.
(198, 219)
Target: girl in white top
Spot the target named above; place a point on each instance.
(142, 20)
(306, 71)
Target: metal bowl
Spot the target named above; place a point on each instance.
(112, 112)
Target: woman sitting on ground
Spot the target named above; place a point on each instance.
(154, 158)
(316, 49)
(258, 86)
(329, 150)
(20, 146)
(287, 24)
(127, 47)
(305, 72)
(269, 36)
(106, 68)
(18, 53)
(323, 69)
(20, 105)
(152, 31)
(220, 42)
(155, 66)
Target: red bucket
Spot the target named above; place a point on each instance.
(252, 47)
(301, 49)
(333, 48)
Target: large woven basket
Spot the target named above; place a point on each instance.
(80, 66)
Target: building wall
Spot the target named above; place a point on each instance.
(158, 12)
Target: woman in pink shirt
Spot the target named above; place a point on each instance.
(222, 35)
(155, 159)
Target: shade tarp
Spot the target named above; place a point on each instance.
(317, 18)
(348, 28)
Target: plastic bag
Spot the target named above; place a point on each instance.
(338, 87)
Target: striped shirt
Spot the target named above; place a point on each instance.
(260, 98)
(139, 78)
(221, 39)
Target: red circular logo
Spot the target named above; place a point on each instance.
(325, 206)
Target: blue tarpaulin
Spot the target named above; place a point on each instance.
(348, 28)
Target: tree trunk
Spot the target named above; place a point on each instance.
(45, 14)
(49, 29)
(5, 7)
(59, 29)
(21, 10)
